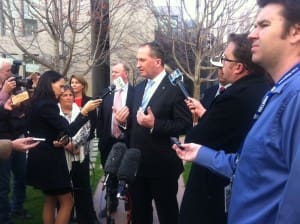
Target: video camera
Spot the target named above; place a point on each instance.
(19, 94)
(20, 81)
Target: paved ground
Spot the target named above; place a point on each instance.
(120, 215)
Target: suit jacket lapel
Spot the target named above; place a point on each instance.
(129, 95)
(110, 103)
(161, 88)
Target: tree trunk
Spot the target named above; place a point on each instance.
(197, 90)
(100, 71)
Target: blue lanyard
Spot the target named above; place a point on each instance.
(271, 92)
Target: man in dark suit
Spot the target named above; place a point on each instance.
(159, 112)
(112, 125)
(210, 93)
(222, 126)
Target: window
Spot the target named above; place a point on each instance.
(30, 27)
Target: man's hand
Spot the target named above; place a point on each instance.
(23, 144)
(189, 151)
(9, 85)
(121, 114)
(144, 120)
(8, 105)
(195, 107)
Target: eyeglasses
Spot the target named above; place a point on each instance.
(226, 59)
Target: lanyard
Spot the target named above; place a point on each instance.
(271, 92)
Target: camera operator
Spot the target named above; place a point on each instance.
(7, 83)
(12, 126)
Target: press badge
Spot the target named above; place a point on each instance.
(227, 195)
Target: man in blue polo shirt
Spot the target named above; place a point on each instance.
(265, 173)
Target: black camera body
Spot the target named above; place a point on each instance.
(20, 81)
(19, 95)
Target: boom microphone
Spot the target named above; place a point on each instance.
(128, 169)
(108, 91)
(114, 158)
(176, 78)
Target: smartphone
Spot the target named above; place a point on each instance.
(175, 141)
(38, 139)
(64, 140)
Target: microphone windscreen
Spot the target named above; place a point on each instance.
(112, 87)
(108, 91)
(175, 76)
(129, 165)
(176, 79)
(114, 158)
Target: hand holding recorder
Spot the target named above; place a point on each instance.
(175, 141)
(189, 152)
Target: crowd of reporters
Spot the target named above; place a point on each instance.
(141, 144)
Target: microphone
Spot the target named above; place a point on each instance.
(113, 161)
(128, 170)
(114, 158)
(176, 78)
(108, 91)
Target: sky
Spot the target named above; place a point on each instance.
(191, 4)
(248, 6)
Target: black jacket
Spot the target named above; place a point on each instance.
(46, 166)
(172, 118)
(223, 127)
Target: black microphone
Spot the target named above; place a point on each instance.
(114, 158)
(108, 91)
(128, 170)
(176, 78)
(113, 161)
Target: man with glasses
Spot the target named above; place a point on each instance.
(223, 126)
(209, 94)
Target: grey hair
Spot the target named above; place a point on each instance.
(4, 61)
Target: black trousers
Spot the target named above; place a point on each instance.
(163, 190)
(82, 192)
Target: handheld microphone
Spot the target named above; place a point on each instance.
(108, 91)
(176, 78)
(128, 170)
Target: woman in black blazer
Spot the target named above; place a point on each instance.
(47, 168)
